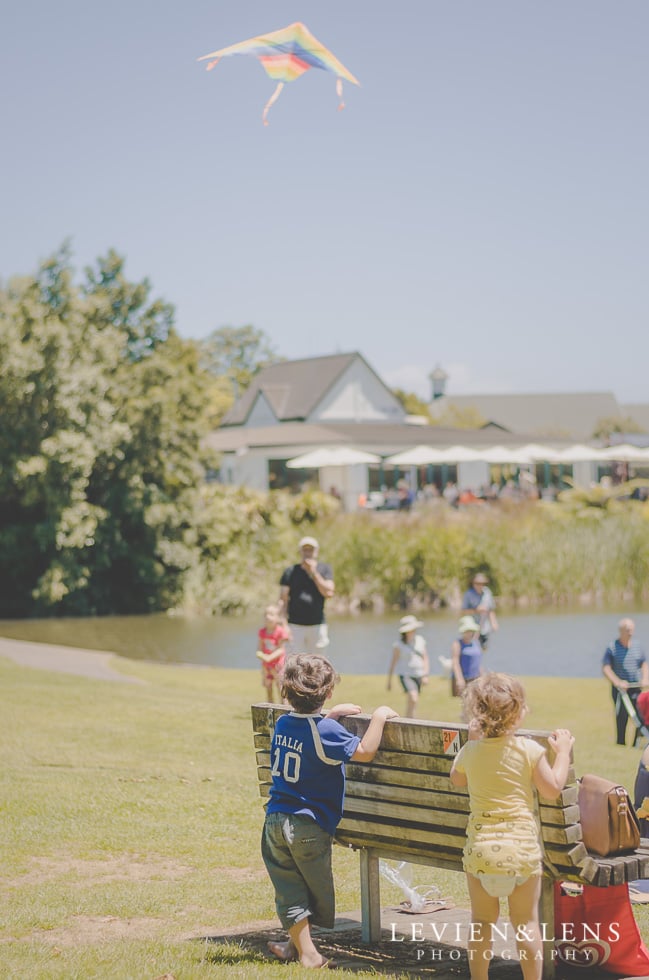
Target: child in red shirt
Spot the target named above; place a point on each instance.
(272, 637)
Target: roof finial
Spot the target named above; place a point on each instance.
(438, 377)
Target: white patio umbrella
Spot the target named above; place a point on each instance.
(539, 453)
(577, 454)
(436, 454)
(624, 454)
(463, 454)
(419, 456)
(331, 456)
(504, 454)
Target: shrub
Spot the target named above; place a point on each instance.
(533, 554)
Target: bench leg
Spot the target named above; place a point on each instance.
(546, 915)
(370, 897)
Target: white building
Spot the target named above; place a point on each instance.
(293, 407)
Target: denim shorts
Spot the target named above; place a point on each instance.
(297, 855)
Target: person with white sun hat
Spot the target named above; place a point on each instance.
(410, 662)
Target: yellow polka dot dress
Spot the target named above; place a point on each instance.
(503, 833)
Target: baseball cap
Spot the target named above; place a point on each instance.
(307, 543)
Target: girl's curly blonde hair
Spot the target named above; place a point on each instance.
(495, 703)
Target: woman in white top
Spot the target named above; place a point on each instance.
(409, 662)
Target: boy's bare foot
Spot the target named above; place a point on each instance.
(324, 964)
(286, 952)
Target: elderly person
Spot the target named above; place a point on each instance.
(479, 601)
(304, 587)
(624, 664)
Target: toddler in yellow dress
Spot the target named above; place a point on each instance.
(503, 853)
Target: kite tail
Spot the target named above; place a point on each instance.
(273, 99)
(339, 93)
(212, 64)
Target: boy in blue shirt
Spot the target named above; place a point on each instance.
(308, 754)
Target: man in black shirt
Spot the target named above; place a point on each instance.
(303, 590)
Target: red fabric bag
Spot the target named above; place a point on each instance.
(598, 928)
(642, 704)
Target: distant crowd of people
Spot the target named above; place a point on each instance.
(403, 497)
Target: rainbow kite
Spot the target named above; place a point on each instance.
(285, 55)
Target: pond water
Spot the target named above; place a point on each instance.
(563, 644)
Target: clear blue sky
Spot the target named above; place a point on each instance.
(482, 202)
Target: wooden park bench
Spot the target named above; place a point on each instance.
(402, 807)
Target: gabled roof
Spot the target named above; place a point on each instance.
(293, 388)
(383, 438)
(573, 415)
(277, 397)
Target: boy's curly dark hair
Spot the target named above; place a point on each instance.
(495, 702)
(308, 681)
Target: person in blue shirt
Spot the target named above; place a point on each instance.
(466, 655)
(624, 664)
(479, 602)
(308, 752)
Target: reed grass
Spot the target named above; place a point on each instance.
(534, 554)
(131, 816)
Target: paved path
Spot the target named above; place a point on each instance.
(66, 660)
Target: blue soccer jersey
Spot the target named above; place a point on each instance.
(307, 761)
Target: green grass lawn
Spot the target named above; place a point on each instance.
(131, 815)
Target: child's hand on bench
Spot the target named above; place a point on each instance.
(346, 708)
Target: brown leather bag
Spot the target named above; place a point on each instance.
(608, 821)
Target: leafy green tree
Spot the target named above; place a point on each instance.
(234, 355)
(152, 493)
(55, 416)
(104, 409)
(460, 418)
(125, 306)
(605, 427)
(413, 404)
